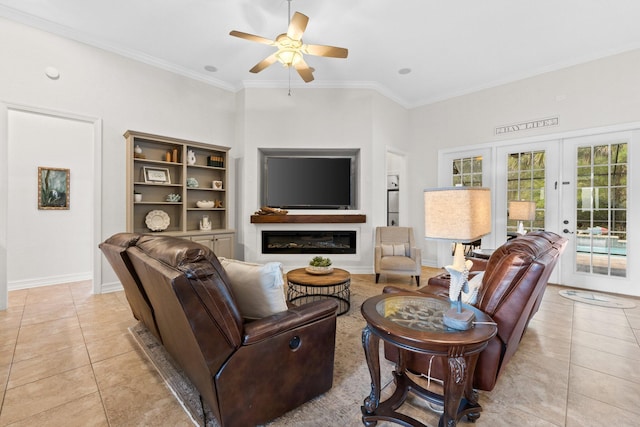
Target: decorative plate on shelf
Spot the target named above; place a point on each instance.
(157, 220)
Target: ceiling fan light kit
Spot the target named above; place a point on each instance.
(291, 49)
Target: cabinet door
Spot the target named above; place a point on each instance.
(223, 245)
(204, 240)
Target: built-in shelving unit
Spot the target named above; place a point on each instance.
(159, 166)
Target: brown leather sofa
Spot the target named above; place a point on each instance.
(515, 277)
(247, 372)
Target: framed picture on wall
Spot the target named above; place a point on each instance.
(157, 175)
(53, 188)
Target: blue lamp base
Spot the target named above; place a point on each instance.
(458, 318)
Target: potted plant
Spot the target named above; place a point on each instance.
(319, 265)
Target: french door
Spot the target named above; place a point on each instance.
(596, 213)
(527, 172)
(581, 187)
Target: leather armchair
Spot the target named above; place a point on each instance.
(248, 373)
(115, 250)
(395, 252)
(513, 285)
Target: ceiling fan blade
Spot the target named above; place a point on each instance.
(297, 26)
(329, 51)
(305, 72)
(251, 37)
(264, 63)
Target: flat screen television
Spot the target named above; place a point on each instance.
(309, 182)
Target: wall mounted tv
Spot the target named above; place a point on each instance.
(309, 179)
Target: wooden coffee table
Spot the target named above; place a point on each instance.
(304, 287)
(414, 323)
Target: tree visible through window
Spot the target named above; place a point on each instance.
(467, 172)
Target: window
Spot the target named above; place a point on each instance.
(467, 172)
(526, 180)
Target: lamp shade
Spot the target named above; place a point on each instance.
(522, 210)
(460, 214)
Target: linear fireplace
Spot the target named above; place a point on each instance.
(309, 242)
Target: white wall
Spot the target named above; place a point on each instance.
(599, 93)
(123, 93)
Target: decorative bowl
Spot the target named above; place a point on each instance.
(207, 204)
(318, 270)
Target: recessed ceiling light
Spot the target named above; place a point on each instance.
(404, 70)
(210, 68)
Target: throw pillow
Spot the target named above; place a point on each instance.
(387, 250)
(399, 250)
(258, 288)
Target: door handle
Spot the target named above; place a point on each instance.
(566, 231)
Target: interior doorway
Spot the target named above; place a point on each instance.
(395, 167)
(64, 242)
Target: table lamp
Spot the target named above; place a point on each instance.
(522, 210)
(457, 214)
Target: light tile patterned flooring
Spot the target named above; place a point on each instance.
(66, 359)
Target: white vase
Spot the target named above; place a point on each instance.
(191, 157)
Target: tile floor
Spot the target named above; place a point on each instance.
(66, 359)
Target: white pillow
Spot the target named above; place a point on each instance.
(475, 284)
(387, 250)
(399, 250)
(258, 288)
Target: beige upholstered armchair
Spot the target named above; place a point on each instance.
(396, 252)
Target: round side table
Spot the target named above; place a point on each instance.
(414, 323)
(304, 287)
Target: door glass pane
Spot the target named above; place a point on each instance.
(526, 180)
(467, 172)
(601, 209)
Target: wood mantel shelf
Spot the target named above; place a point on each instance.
(307, 219)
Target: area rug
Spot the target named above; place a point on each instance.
(595, 298)
(340, 406)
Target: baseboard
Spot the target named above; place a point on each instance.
(49, 281)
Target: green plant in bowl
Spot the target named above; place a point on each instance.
(320, 262)
(319, 265)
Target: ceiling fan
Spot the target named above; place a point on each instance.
(291, 48)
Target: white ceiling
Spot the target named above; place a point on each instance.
(452, 46)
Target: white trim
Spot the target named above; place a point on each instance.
(111, 287)
(49, 281)
(4, 190)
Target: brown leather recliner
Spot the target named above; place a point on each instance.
(513, 285)
(247, 373)
(115, 250)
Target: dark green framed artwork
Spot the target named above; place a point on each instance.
(53, 188)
